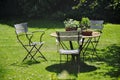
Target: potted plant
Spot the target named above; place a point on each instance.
(71, 24)
(85, 25)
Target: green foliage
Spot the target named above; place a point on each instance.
(71, 23)
(58, 16)
(85, 22)
(94, 9)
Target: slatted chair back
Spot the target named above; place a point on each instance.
(96, 24)
(21, 28)
(68, 36)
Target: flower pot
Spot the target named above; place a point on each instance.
(87, 33)
(71, 28)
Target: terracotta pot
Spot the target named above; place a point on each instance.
(87, 33)
(71, 28)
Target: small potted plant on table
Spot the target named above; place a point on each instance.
(71, 24)
(85, 25)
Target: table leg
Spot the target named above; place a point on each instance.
(86, 44)
(71, 47)
(94, 45)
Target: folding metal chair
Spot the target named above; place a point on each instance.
(66, 45)
(26, 40)
(96, 25)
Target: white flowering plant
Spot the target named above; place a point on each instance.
(71, 23)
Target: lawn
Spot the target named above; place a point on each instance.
(12, 53)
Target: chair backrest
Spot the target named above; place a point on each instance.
(96, 24)
(68, 36)
(21, 28)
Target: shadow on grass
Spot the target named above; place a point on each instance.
(3, 72)
(35, 23)
(25, 64)
(112, 57)
(71, 68)
(30, 62)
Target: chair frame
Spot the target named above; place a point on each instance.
(69, 36)
(22, 30)
(95, 25)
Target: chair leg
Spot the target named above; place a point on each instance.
(60, 60)
(38, 50)
(85, 47)
(94, 45)
(29, 53)
(67, 58)
(78, 62)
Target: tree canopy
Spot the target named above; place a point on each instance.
(108, 10)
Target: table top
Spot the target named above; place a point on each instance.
(94, 34)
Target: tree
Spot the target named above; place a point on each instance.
(108, 10)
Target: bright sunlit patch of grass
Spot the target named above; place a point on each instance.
(12, 53)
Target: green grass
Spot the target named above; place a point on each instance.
(12, 53)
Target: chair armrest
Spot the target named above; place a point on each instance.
(28, 36)
(37, 32)
(24, 34)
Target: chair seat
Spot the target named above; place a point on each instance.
(62, 51)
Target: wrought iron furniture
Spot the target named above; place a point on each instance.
(83, 44)
(66, 40)
(96, 25)
(26, 39)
